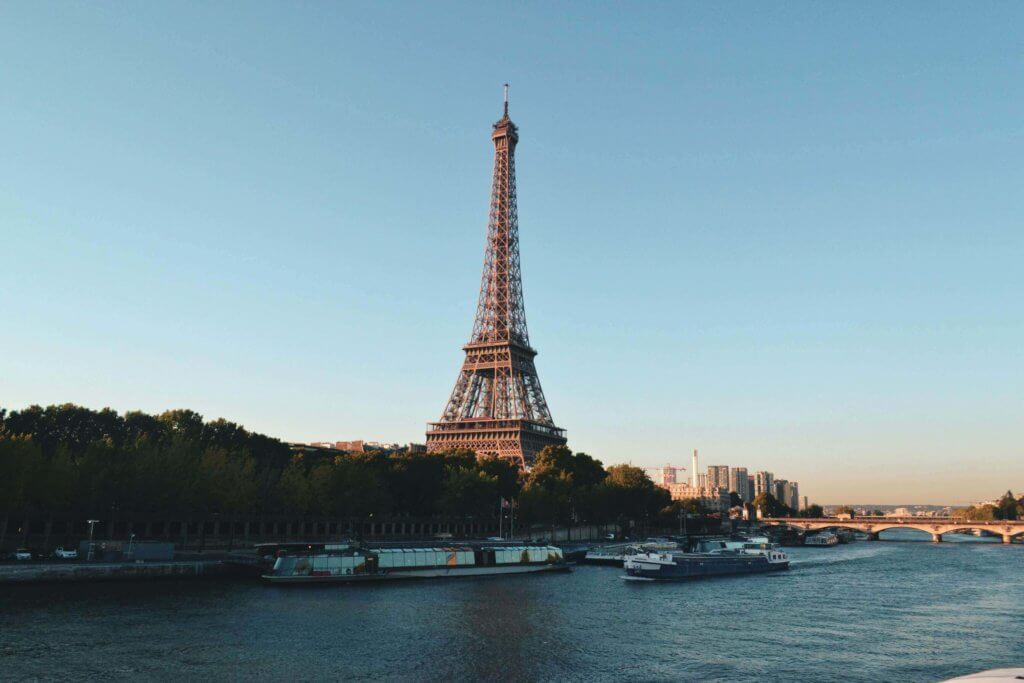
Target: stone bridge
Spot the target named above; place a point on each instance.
(936, 526)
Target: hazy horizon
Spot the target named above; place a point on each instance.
(787, 236)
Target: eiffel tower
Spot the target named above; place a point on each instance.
(497, 406)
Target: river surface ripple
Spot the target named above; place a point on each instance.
(886, 611)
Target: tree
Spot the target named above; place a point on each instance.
(561, 487)
(21, 460)
(688, 506)
(186, 423)
(294, 487)
(469, 492)
(416, 480)
(629, 494)
(359, 486)
(1007, 508)
(813, 511)
(507, 474)
(982, 513)
(769, 506)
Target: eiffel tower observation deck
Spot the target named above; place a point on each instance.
(497, 407)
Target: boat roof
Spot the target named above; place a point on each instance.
(993, 675)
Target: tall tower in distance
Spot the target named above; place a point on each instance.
(693, 472)
(497, 406)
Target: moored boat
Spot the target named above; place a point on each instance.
(823, 539)
(612, 557)
(615, 555)
(752, 558)
(348, 564)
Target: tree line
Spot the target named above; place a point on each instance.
(1007, 507)
(70, 462)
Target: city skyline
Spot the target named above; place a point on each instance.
(799, 255)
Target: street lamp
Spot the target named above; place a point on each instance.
(92, 523)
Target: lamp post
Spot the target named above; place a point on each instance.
(92, 523)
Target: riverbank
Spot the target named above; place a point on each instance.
(111, 571)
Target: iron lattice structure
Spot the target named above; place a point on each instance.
(497, 406)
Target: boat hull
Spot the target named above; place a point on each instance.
(604, 560)
(425, 573)
(701, 567)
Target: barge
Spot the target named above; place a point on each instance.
(752, 558)
(343, 563)
(824, 539)
(615, 555)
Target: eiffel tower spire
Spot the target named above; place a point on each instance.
(497, 406)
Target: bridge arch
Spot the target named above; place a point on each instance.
(838, 525)
(916, 527)
(957, 529)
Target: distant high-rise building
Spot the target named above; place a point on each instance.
(764, 482)
(750, 486)
(714, 499)
(787, 493)
(718, 476)
(664, 476)
(702, 480)
(693, 472)
(739, 482)
(803, 503)
(793, 496)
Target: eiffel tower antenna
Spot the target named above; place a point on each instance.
(497, 406)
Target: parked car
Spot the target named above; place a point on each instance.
(62, 554)
(22, 554)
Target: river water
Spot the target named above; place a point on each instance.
(885, 611)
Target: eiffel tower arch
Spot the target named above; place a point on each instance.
(497, 406)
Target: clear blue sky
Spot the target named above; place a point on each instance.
(786, 234)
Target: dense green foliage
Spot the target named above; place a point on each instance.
(813, 511)
(71, 462)
(1006, 507)
(769, 506)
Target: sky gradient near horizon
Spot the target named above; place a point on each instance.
(786, 234)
